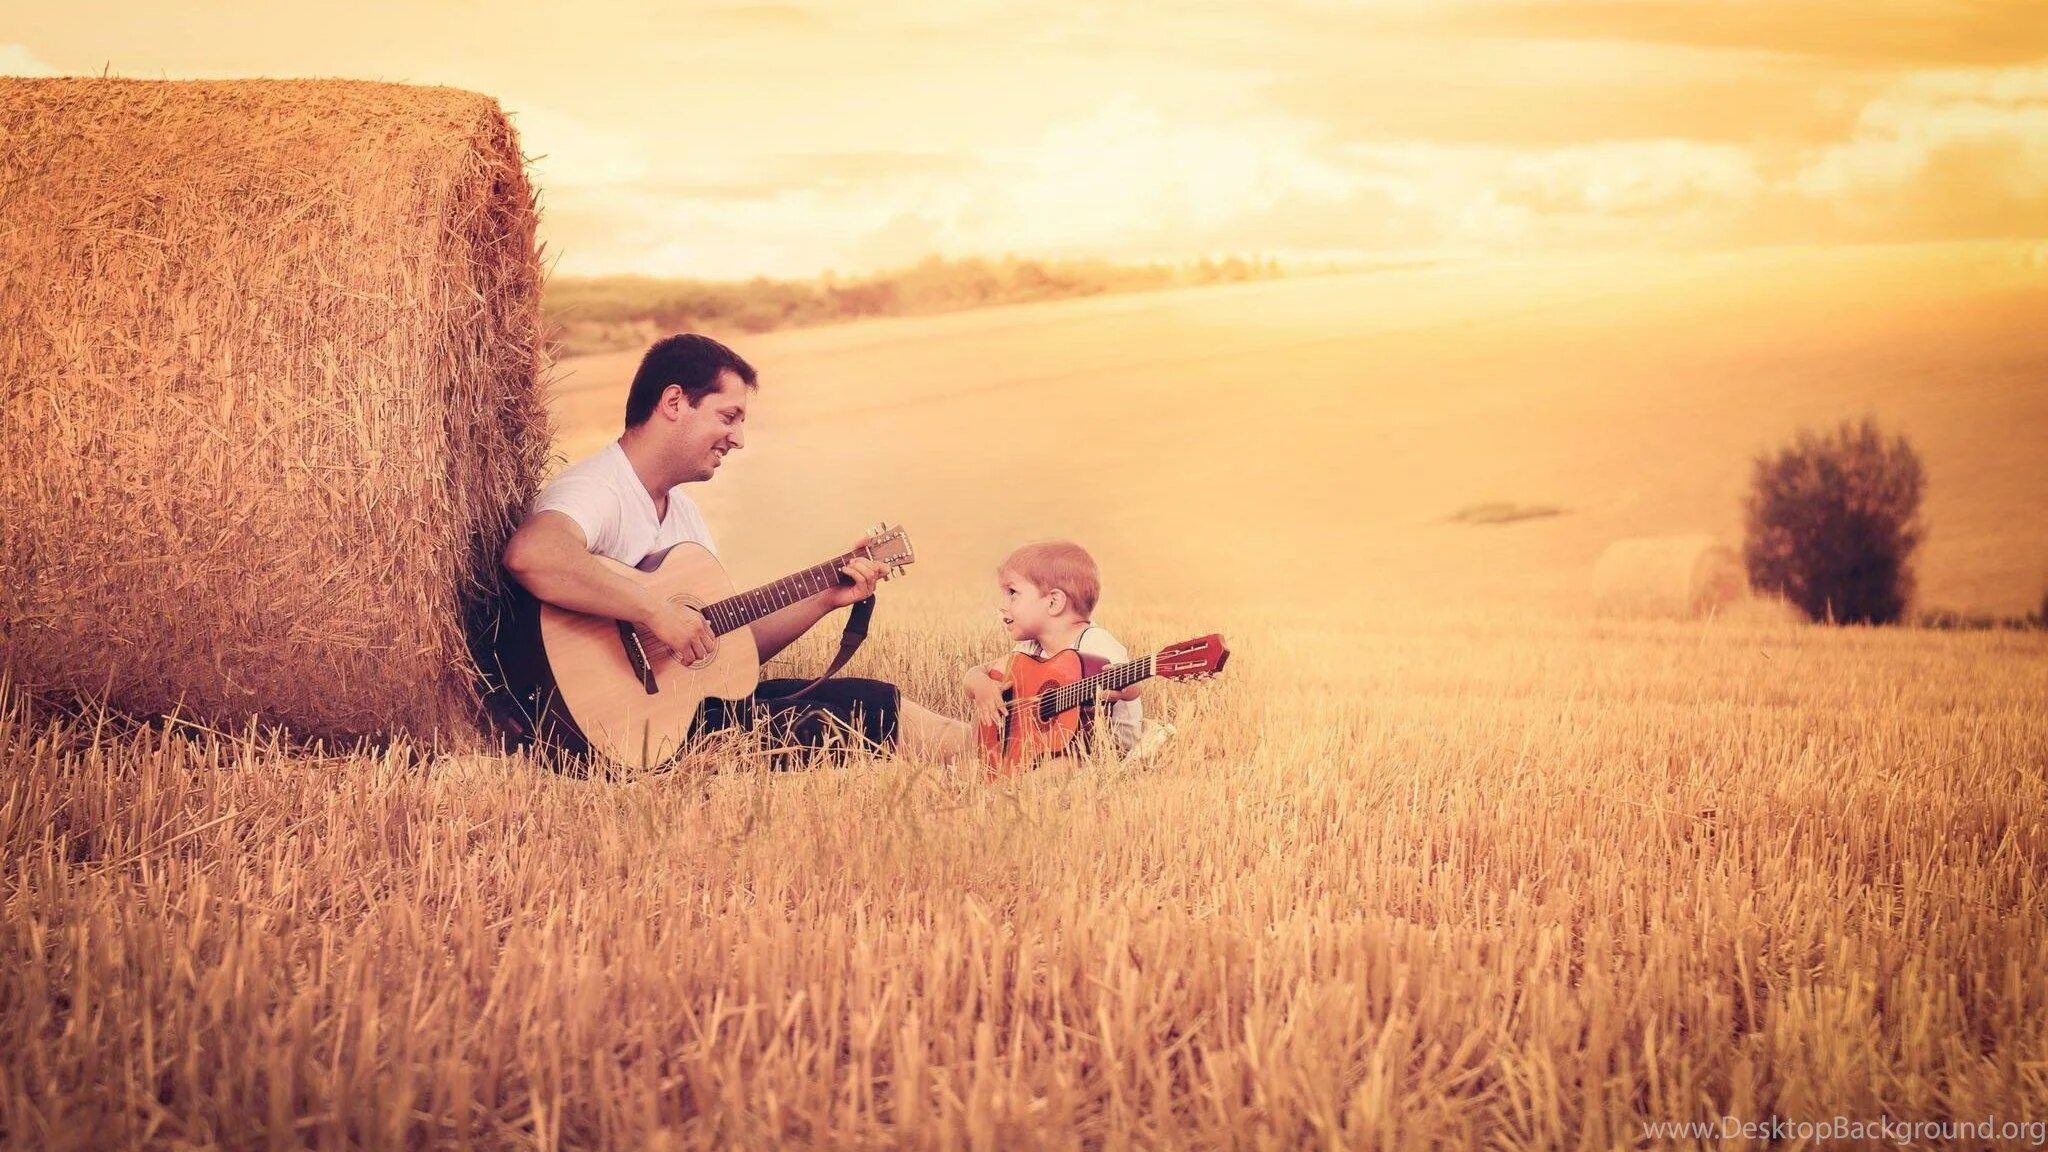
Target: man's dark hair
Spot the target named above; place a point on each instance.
(691, 362)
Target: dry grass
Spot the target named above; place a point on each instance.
(1458, 883)
(269, 385)
(1503, 876)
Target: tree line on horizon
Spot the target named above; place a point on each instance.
(608, 313)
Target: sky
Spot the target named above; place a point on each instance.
(727, 140)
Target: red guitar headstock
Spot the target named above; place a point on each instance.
(1196, 659)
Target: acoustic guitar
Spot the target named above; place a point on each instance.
(595, 686)
(1048, 700)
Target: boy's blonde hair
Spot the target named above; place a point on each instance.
(1060, 564)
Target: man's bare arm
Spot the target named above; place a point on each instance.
(775, 631)
(779, 629)
(549, 555)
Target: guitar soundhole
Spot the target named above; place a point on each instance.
(696, 606)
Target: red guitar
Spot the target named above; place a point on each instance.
(1045, 700)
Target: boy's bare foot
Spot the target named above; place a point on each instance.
(1155, 736)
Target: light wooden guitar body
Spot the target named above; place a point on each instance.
(602, 689)
(1030, 736)
(591, 686)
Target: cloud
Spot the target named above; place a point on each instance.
(1944, 154)
(793, 232)
(1477, 198)
(1129, 177)
(17, 60)
(870, 137)
(1536, 93)
(773, 17)
(1130, 183)
(1897, 134)
(1879, 33)
(773, 175)
(1125, 181)
(1633, 181)
(567, 151)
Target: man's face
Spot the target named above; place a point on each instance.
(706, 431)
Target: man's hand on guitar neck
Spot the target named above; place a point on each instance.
(774, 632)
(864, 574)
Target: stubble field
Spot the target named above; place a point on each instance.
(1442, 859)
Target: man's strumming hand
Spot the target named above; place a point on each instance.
(684, 631)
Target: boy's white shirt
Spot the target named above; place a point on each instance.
(605, 497)
(1126, 717)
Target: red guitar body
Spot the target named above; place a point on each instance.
(1051, 700)
(1029, 736)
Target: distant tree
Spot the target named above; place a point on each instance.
(871, 297)
(1833, 521)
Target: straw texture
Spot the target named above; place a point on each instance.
(1668, 576)
(269, 386)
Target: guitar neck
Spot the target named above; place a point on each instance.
(1110, 679)
(736, 612)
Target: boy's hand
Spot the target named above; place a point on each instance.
(987, 698)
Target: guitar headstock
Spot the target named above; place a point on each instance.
(1196, 659)
(889, 547)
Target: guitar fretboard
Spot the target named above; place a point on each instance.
(1110, 679)
(736, 612)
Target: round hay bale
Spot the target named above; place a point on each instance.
(1668, 576)
(269, 382)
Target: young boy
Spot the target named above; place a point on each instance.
(1048, 592)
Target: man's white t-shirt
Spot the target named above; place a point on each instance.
(605, 497)
(1126, 717)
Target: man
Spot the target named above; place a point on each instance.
(686, 410)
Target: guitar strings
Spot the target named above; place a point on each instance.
(745, 607)
(738, 610)
(735, 611)
(1082, 690)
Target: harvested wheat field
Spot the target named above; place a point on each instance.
(1443, 859)
(1519, 885)
(1311, 440)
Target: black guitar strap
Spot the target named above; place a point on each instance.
(849, 643)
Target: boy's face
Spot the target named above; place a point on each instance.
(1027, 609)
